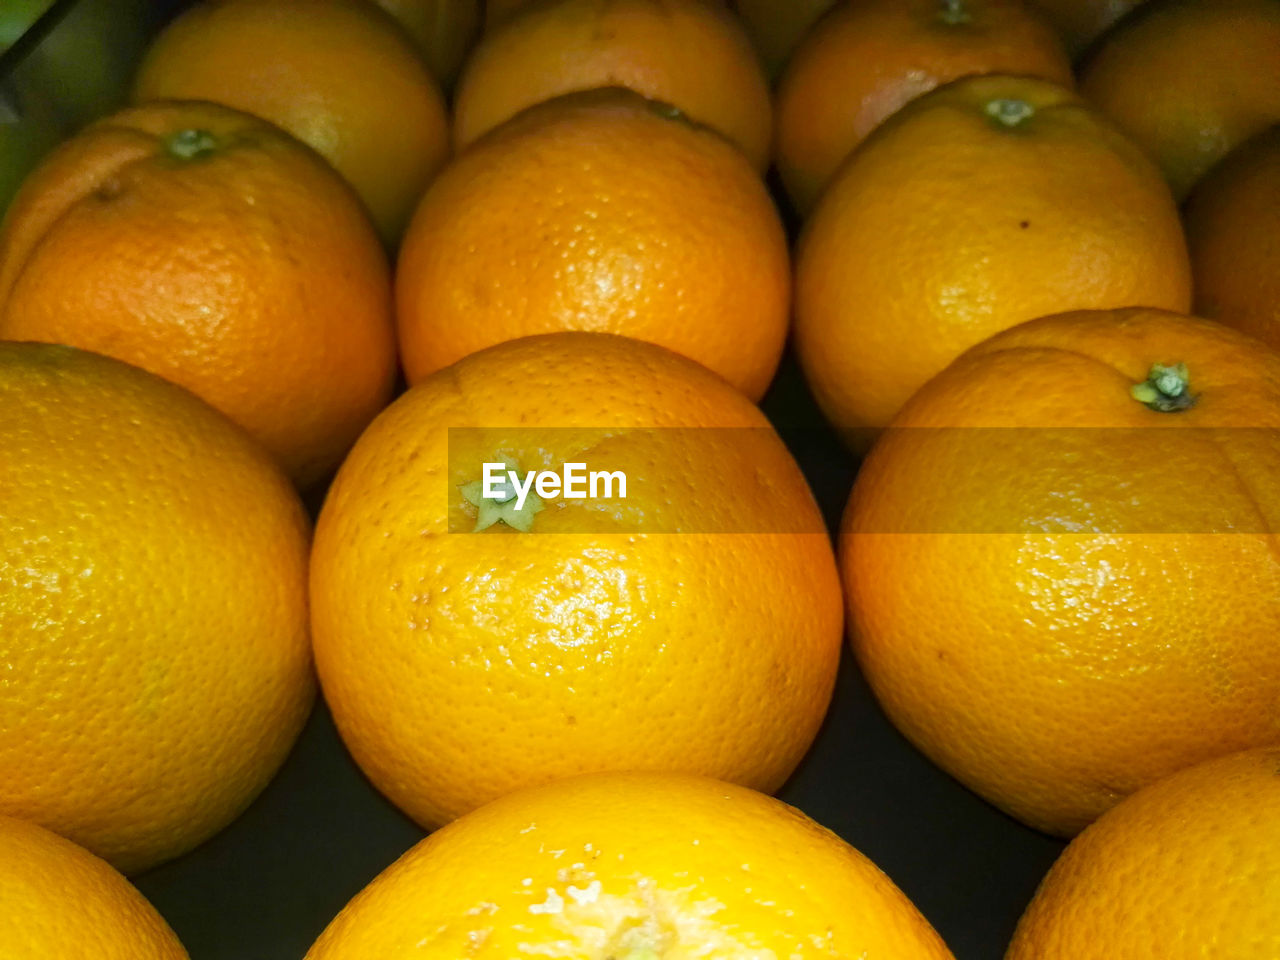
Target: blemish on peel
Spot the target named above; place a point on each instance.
(589, 894)
(438, 932)
(554, 903)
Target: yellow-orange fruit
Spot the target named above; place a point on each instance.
(692, 54)
(629, 866)
(1059, 561)
(987, 202)
(337, 74)
(864, 61)
(63, 903)
(1233, 233)
(206, 246)
(1179, 871)
(598, 211)
(153, 608)
(694, 625)
(1188, 80)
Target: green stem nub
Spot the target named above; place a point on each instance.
(954, 12)
(191, 144)
(506, 506)
(1167, 389)
(1008, 112)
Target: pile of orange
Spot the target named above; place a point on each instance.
(300, 348)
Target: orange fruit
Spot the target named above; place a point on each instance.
(692, 54)
(1183, 869)
(206, 246)
(153, 609)
(444, 31)
(777, 26)
(630, 866)
(1233, 232)
(337, 74)
(1081, 22)
(1060, 593)
(598, 211)
(497, 12)
(1188, 80)
(693, 626)
(63, 903)
(864, 60)
(985, 203)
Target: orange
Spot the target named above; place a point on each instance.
(694, 625)
(443, 29)
(598, 211)
(63, 903)
(338, 75)
(1181, 870)
(497, 12)
(1188, 80)
(867, 58)
(693, 54)
(206, 246)
(985, 203)
(153, 610)
(777, 26)
(1081, 22)
(631, 866)
(1060, 593)
(1233, 231)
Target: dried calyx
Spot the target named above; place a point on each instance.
(1167, 389)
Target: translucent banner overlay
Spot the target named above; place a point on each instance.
(1005, 480)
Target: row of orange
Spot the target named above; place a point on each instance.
(1054, 674)
(1099, 636)
(633, 867)
(202, 245)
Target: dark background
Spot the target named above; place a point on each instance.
(265, 887)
